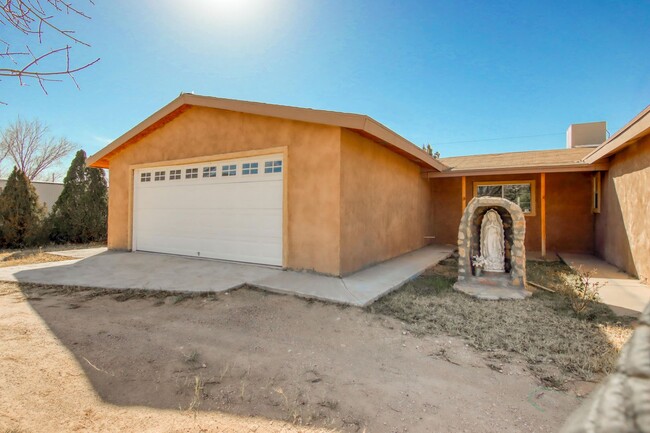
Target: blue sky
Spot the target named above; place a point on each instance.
(436, 72)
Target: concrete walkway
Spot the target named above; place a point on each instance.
(624, 294)
(123, 270)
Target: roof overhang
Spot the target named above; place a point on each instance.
(628, 134)
(567, 168)
(355, 122)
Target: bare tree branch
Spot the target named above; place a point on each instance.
(31, 148)
(33, 18)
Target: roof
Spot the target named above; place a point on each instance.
(517, 159)
(636, 128)
(535, 161)
(357, 122)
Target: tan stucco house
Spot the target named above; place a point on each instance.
(335, 192)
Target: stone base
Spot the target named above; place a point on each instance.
(491, 286)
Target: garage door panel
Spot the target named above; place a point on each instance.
(236, 196)
(232, 218)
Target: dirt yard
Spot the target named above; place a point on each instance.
(247, 361)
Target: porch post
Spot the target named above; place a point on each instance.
(463, 194)
(543, 211)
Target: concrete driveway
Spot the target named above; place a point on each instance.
(125, 270)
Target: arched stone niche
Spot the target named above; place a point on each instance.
(514, 225)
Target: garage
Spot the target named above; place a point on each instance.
(228, 210)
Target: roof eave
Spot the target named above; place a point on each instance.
(343, 120)
(558, 168)
(97, 161)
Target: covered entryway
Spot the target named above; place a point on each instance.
(230, 210)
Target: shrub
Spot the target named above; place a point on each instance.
(582, 291)
(21, 213)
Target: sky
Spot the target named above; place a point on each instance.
(467, 77)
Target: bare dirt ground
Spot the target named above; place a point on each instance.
(83, 360)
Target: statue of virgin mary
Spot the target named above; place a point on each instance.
(492, 241)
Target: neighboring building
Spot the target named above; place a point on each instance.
(47, 192)
(335, 192)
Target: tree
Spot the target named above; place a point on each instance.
(96, 203)
(81, 211)
(428, 149)
(21, 213)
(34, 21)
(31, 148)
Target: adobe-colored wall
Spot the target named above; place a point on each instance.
(623, 227)
(385, 203)
(569, 221)
(446, 200)
(311, 176)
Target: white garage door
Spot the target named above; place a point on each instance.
(230, 210)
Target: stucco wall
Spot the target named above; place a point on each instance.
(447, 209)
(622, 228)
(385, 203)
(569, 221)
(312, 180)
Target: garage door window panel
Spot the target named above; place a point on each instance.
(210, 171)
(191, 173)
(249, 168)
(273, 167)
(229, 170)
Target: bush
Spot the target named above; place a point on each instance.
(21, 213)
(582, 292)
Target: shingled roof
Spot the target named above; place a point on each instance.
(519, 162)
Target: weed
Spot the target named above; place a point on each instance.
(224, 371)
(330, 404)
(582, 291)
(198, 394)
(192, 357)
(181, 297)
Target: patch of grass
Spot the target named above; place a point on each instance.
(28, 258)
(121, 295)
(52, 247)
(542, 329)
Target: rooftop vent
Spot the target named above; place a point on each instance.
(586, 134)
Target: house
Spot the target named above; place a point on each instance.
(336, 192)
(48, 192)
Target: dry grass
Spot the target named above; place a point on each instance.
(55, 247)
(556, 344)
(160, 297)
(28, 258)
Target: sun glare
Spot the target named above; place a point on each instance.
(233, 8)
